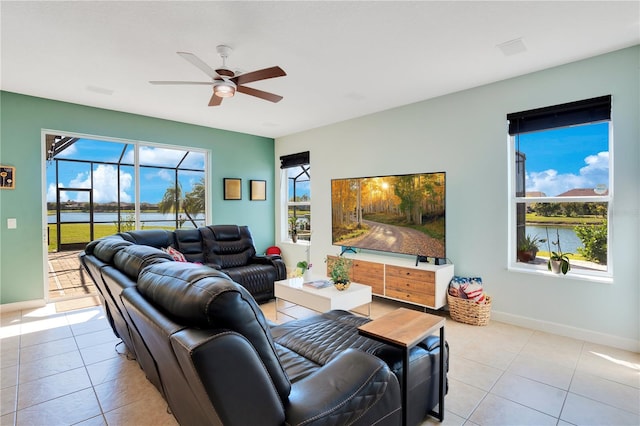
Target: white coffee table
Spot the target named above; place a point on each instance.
(324, 299)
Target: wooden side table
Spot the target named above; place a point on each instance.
(405, 328)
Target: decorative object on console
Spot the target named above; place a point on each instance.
(7, 177)
(232, 189)
(399, 214)
(467, 301)
(340, 271)
(257, 190)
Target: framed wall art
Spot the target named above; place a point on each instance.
(258, 190)
(7, 177)
(232, 189)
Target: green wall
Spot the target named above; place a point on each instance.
(22, 120)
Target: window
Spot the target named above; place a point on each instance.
(97, 187)
(297, 176)
(561, 188)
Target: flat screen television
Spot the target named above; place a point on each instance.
(398, 213)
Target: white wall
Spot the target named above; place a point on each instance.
(465, 135)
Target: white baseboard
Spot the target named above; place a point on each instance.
(568, 331)
(18, 306)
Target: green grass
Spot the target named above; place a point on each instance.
(79, 233)
(534, 219)
(573, 256)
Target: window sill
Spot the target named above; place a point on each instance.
(573, 274)
(298, 243)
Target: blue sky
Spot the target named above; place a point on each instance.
(562, 159)
(556, 161)
(153, 181)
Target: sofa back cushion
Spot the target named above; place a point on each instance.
(106, 248)
(150, 237)
(189, 243)
(228, 246)
(132, 259)
(199, 296)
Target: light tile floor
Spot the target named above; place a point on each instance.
(64, 368)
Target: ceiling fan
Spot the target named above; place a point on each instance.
(225, 82)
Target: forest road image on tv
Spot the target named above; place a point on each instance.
(400, 214)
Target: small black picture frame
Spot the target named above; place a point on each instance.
(7, 177)
(258, 190)
(232, 189)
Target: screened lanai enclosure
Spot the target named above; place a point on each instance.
(96, 188)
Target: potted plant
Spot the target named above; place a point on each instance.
(339, 272)
(301, 267)
(293, 224)
(528, 248)
(558, 261)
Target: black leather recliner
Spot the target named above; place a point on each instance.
(228, 248)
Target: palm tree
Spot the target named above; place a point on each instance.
(191, 204)
(171, 200)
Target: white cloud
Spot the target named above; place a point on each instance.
(51, 194)
(165, 175)
(552, 183)
(105, 178)
(155, 156)
(68, 152)
(597, 168)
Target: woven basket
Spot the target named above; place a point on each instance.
(468, 311)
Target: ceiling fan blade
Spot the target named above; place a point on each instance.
(208, 83)
(199, 63)
(259, 94)
(215, 100)
(259, 75)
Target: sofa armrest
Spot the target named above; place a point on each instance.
(265, 259)
(273, 260)
(432, 345)
(228, 376)
(354, 388)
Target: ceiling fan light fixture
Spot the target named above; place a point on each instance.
(224, 89)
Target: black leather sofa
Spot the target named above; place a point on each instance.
(228, 248)
(203, 341)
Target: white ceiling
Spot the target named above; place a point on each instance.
(343, 59)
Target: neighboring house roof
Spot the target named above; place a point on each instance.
(582, 192)
(536, 194)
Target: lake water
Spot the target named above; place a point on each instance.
(569, 241)
(148, 219)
